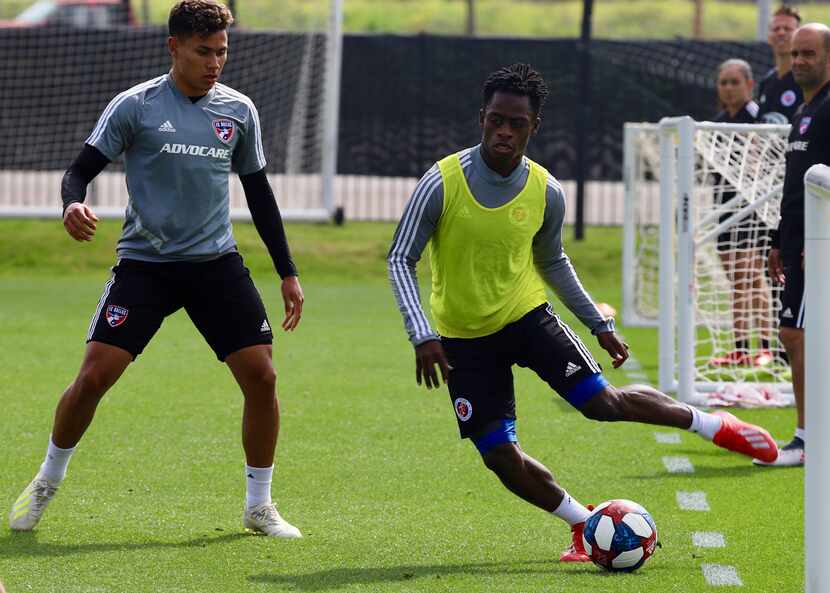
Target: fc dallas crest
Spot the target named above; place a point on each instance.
(116, 315)
(224, 129)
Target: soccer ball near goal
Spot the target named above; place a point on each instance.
(619, 535)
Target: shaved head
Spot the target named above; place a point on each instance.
(819, 29)
(811, 58)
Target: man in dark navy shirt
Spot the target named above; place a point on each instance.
(778, 93)
(809, 144)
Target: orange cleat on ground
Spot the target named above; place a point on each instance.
(748, 439)
(576, 551)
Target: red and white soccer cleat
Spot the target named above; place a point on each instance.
(576, 551)
(734, 358)
(742, 437)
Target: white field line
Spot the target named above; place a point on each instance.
(708, 539)
(718, 575)
(692, 501)
(678, 465)
(667, 438)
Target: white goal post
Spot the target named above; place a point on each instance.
(694, 263)
(817, 355)
(641, 217)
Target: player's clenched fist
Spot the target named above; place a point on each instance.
(80, 222)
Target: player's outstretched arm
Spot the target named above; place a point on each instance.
(268, 222)
(79, 220)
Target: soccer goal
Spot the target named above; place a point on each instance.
(719, 191)
(292, 76)
(641, 219)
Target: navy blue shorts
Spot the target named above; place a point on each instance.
(792, 297)
(218, 295)
(481, 379)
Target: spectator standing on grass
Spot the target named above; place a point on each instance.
(742, 248)
(778, 93)
(808, 144)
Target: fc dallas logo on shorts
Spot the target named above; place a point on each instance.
(463, 409)
(224, 129)
(116, 315)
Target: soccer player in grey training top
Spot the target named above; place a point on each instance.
(181, 134)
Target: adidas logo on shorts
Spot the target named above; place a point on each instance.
(787, 314)
(571, 369)
(167, 127)
(264, 328)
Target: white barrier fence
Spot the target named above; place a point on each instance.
(37, 194)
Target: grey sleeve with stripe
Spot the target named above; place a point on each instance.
(113, 133)
(555, 266)
(418, 223)
(248, 155)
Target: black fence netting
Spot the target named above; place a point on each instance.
(405, 101)
(55, 82)
(408, 101)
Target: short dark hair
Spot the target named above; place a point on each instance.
(517, 79)
(786, 10)
(198, 17)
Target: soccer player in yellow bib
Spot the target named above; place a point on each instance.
(493, 219)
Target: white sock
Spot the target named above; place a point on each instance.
(705, 424)
(571, 511)
(54, 466)
(801, 433)
(258, 481)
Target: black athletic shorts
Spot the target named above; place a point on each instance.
(218, 295)
(481, 379)
(792, 297)
(746, 235)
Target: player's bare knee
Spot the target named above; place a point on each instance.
(260, 384)
(606, 406)
(91, 383)
(502, 459)
(791, 337)
(268, 378)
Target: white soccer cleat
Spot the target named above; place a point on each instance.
(265, 518)
(29, 506)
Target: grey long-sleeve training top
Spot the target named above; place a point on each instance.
(491, 190)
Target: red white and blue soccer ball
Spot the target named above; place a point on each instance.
(619, 535)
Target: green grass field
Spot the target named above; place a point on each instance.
(370, 467)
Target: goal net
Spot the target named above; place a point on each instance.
(58, 79)
(720, 189)
(641, 219)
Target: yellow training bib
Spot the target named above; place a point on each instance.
(483, 276)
